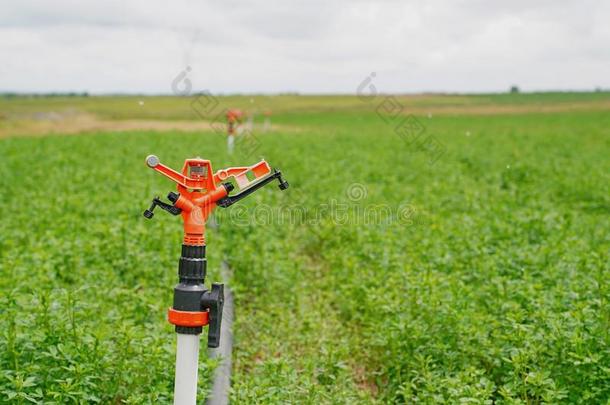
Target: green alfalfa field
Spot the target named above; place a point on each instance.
(385, 274)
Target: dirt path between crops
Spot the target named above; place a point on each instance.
(70, 124)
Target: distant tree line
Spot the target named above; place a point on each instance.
(514, 89)
(36, 95)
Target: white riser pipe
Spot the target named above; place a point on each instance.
(187, 358)
(230, 143)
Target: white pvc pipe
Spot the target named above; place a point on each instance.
(267, 124)
(187, 359)
(230, 142)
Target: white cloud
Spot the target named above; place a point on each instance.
(306, 46)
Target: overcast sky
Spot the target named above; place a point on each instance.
(309, 46)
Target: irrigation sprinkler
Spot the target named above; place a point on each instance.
(234, 118)
(200, 190)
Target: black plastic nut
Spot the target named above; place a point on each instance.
(173, 197)
(228, 186)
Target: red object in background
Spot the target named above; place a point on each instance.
(234, 117)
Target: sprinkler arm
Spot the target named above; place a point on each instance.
(181, 179)
(230, 200)
(156, 202)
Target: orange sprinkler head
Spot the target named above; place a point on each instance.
(200, 191)
(234, 117)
